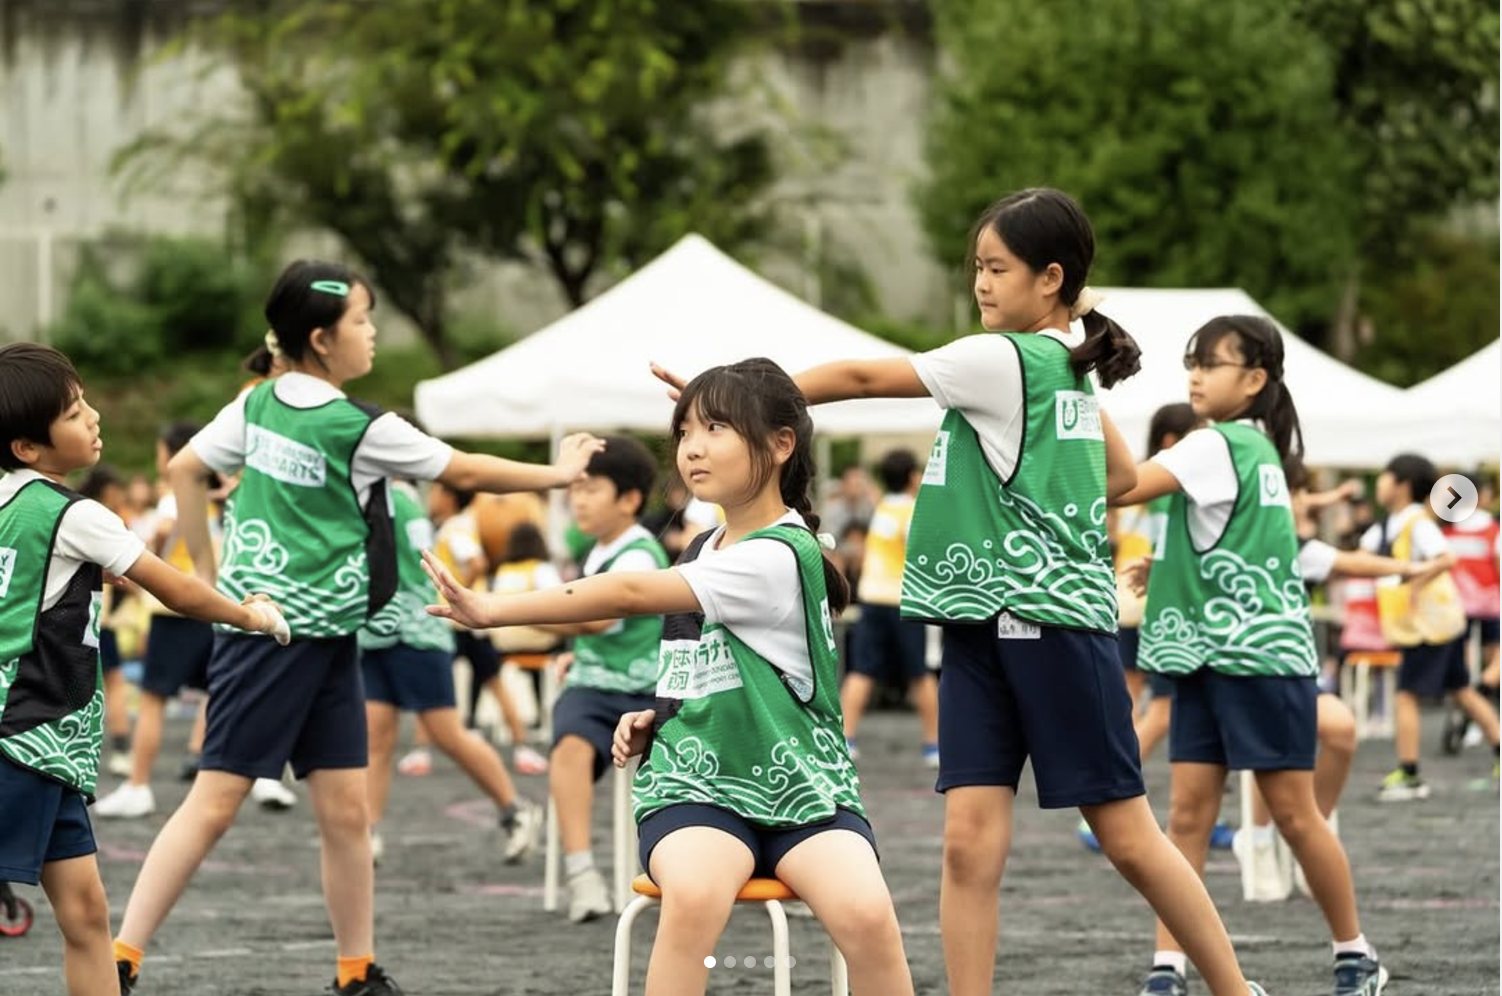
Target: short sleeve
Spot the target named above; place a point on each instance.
(221, 443)
(1371, 540)
(753, 583)
(1316, 561)
(1428, 541)
(975, 373)
(1201, 463)
(394, 447)
(91, 534)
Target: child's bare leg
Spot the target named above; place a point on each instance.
(76, 893)
(836, 874)
(571, 780)
(338, 796)
(1290, 797)
(382, 720)
(1480, 710)
(1167, 870)
(474, 755)
(186, 839)
(977, 837)
(700, 870)
(1151, 724)
(1337, 752)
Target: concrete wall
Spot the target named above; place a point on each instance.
(80, 79)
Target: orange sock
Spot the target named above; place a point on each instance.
(354, 969)
(124, 952)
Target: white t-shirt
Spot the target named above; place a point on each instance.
(391, 447)
(88, 534)
(632, 560)
(1428, 541)
(980, 376)
(752, 587)
(1201, 463)
(1316, 560)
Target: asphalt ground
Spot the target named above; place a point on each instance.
(452, 919)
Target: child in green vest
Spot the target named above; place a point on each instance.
(310, 524)
(745, 769)
(55, 549)
(406, 658)
(1008, 553)
(614, 668)
(1228, 617)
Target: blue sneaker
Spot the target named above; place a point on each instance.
(930, 755)
(1221, 836)
(1358, 975)
(1087, 836)
(1164, 981)
(855, 752)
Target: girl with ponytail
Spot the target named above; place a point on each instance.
(745, 771)
(1227, 618)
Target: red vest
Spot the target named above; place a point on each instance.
(1474, 543)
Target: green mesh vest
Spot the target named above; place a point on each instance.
(1239, 607)
(405, 618)
(732, 732)
(1034, 545)
(51, 688)
(295, 529)
(624, 660)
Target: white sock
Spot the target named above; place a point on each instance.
(1175, 960)
(1358, 946)
(573, 864)
(1264, 834)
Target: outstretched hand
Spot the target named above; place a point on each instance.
(631, 735)
(1136, 574)
(574, 454)
(463, 605)
(269, 618)
(674, 382)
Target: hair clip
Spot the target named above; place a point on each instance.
(338, 287)
(827, 540)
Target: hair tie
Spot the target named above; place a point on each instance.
(273, 344)
(1086, 301)
(827, 540)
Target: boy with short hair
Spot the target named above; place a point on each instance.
(1427, 669)
(614, 670)
(55, 547)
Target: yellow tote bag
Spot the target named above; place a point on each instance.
(1433, 615)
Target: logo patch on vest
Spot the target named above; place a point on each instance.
(1076, 415)
(936, 470)
(696, 669)
(7, 568)
(1273, 491)
(284, 459)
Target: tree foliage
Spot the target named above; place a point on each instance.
(573, 135)
(1277, 147)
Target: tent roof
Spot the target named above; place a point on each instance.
(691, 308)
(1466, 400)
(1345, 415)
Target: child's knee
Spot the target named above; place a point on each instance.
(1337, 731)
(864, 926)
(696, 903)
(974, 853)
(83, 913)
(1190, 815)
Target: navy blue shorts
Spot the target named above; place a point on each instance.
(1059, 699)
(44, 821)
(768, 846)
(109, 650)
(409, 678)
(1127, 639)
(1489, 628)
(1247, 723)
(1431, 671)
(882, 642)
(592, 714)
(269, 705)
(484, 659)
(177, 655)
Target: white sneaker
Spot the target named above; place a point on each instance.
(128, 802)
(377, 848)
(527, 761)
(588, 898)
(521, 839)
(1264, 879)
(120, 763)
(272, 794)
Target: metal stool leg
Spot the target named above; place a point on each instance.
(551, 859)
(782, 972)
(620, 980)
(839, 973)
(624, 834)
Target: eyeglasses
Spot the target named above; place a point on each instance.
(1191, 364)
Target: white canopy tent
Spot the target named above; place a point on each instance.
(693, 307)
(1348, 418)
(1467, 402)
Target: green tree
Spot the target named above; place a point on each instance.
(1415, 89)
(1197, 134)
(573, 135)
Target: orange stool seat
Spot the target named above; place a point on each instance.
(757, 890)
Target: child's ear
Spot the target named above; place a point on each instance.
(25, 451)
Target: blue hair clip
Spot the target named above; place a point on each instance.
(337, 287)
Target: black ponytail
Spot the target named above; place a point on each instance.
(1261, 347)
(1108, 349)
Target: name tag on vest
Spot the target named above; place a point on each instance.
(697, 669)
(1009, 627)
